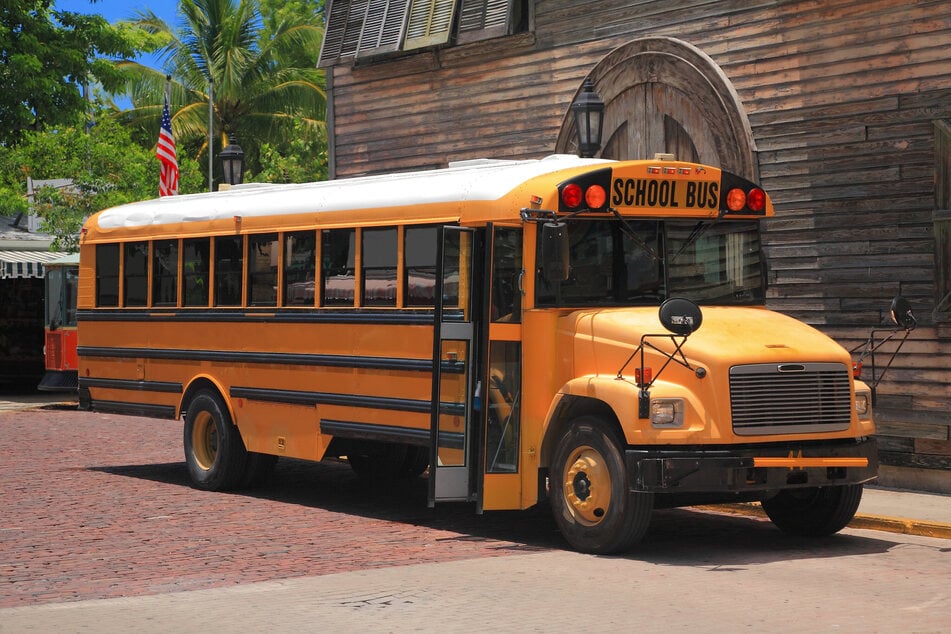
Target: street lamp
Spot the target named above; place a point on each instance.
(232, 160)
(588, 110)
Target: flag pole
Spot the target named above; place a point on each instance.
(211, 135)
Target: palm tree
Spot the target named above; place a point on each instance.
(264, 89)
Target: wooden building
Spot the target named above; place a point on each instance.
(841, 108)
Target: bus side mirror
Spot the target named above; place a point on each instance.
(554, 251)
(901, 313)
(680, 316)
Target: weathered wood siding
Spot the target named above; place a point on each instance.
(841, 96)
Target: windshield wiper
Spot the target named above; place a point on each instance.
(698, 230)
(630, 233)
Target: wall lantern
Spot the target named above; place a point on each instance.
(232, 160)
(588, 110)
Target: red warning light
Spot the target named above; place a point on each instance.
(571, 196)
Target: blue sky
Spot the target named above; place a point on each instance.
(113, 10)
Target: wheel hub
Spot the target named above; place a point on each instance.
(586, 485)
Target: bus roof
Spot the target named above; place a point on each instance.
(465, 181)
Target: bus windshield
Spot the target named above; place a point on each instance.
(643, 262)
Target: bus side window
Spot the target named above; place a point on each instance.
(419, 256)
(262, 269)
(107, 275)
(300, 267)
(228, 264)
(196, 255)
(506, 270)
(165, 273)
(136, 274)
(338, 257)
(378, 264)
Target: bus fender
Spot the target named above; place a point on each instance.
(588, 395)
(200, 382)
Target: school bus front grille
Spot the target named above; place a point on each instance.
(789, 398)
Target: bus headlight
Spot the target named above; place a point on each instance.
(667, 412)
(863, 405)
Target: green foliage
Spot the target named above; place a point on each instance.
(300, 160)
(266, 87)
(107, 169)
(45, 58)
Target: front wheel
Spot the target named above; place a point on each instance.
(589, 494)
(214, 451)
(816, 511)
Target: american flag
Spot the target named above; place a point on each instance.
(165, 151)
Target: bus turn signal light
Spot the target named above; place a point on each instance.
(643, 379)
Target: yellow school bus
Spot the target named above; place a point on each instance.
(585, 331)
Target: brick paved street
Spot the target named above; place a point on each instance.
(100, 532)
(99, 505)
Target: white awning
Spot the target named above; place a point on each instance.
(25, 263)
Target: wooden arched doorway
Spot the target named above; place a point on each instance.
(665, 95)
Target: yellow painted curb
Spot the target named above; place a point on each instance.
(868, 522)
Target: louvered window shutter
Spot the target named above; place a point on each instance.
(333, 35)
(383, 27)
(430, 23)
(483, 19)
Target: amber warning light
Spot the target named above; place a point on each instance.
(739, 200)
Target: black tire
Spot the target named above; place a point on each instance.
(379, 461)
(589, 492)
(814, 512)
(259, 467)
(416, 462)
(214, 451)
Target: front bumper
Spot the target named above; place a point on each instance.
(741, 468)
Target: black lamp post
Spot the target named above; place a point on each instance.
(232, 160)
(588, 110)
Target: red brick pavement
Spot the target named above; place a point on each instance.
(99, 506)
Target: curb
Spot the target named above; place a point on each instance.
(901, 525)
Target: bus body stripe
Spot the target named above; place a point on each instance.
(389, 433)
(128, 384)
(273, 315)
(310, 399)
(273, 358)
(372, 431)
(133, 409)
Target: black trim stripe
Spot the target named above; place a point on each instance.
(274, 358)
(400, 317)
(310, 399)
(133, 409)
(389, 433)
(369, 431)
(126, 384)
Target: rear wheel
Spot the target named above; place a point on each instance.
(388, 461)
(214, 451)
(589, 494)
(814, 511)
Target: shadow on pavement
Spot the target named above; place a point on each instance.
(677, 537)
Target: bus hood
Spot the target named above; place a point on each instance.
(728, 335)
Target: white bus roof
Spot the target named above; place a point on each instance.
(465, 181)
